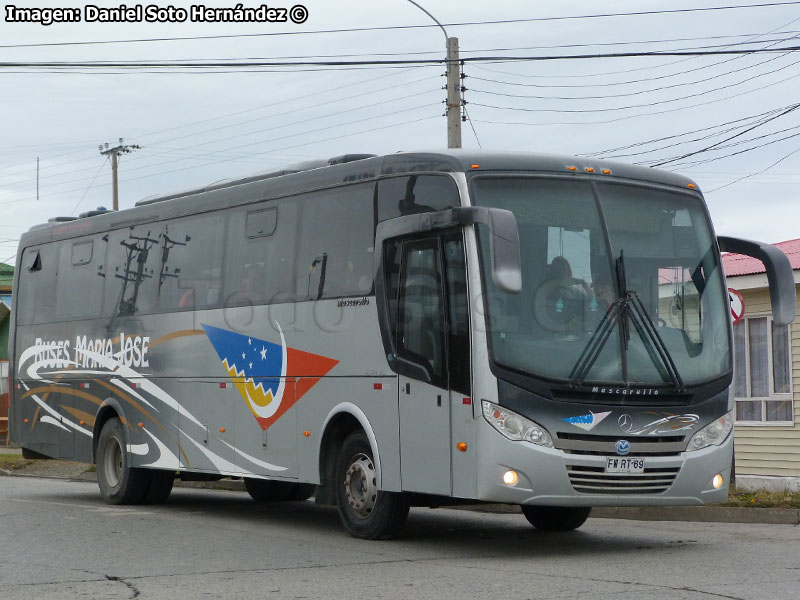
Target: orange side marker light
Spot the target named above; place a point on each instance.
(140, 425)
(307, 433)
(462, 447)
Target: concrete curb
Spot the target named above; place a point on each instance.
(703, 514)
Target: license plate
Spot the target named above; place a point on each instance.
(617, 464)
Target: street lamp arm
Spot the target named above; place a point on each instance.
(431, 16)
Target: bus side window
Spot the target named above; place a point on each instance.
(420, 324)
(132, 260)
(412, 194)
(79, 292)
(458, 342)
(190, 271)
(259, 266)
(337, 234)
(36, 297)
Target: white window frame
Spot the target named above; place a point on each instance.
(772, 395)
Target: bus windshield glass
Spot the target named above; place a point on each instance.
(621, 284)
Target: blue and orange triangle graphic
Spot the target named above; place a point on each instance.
(270, 377)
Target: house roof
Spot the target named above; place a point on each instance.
(739, 264)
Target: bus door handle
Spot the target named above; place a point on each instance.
(438, 399)
(408, 388)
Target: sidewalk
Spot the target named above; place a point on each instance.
(64, 469)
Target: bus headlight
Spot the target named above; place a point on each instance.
(713, 434)
(515, 427)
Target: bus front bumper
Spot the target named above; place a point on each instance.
(548, 476)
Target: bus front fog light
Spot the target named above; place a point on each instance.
(510, 478)
(717, 481)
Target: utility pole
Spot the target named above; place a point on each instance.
(453, 94)
(114, 153)
(453, 101)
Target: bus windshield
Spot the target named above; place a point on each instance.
(621, 284)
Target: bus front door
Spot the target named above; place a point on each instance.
(430, 271)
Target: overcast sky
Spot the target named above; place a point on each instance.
(197, 126)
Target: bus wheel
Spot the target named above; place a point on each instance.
(119, 482)
(160, 487)
(269, 491)
(556, 518)
(365, 512)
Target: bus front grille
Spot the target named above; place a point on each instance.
(593, 480)
(605, 445)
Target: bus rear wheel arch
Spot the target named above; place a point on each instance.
(365, 511)
(556, 518)
(119, 482)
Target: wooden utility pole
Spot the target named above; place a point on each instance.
(453, 101)
(114, 153)
(453, 94)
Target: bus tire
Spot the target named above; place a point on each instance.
(263, 490)
(556, 518)
(160, 487)
(366, 512)
(119, 482)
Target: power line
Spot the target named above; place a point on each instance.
(292, 99)
(777, 162)
(132, 66)
(272, 128)
(717, 144)
(403, 27)
(609, 153)
(605, 74)
(638, 92)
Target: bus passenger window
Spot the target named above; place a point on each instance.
(337, 234)
(260, 254)
(190, 272)
(131, 264)
(36, 298)
(79, 292)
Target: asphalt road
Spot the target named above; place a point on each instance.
(58, 540)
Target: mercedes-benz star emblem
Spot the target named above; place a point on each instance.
(625, 422)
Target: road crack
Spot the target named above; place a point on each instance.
(127, 584)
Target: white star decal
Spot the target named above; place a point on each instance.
(251, 365)
(263, 353)
(249, 342)
(243, 355)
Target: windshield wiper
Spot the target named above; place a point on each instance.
(596, 344)
(627, 306)
(647, 330)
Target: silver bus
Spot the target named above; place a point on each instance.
(386, 331)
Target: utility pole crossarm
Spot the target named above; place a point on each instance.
(114, 153)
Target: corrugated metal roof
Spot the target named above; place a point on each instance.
(739, 264)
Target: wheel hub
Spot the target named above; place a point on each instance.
(360, 485)
(112, 465)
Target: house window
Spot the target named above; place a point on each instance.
(762, 372)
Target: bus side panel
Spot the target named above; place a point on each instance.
(347, 338)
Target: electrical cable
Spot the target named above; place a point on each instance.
(403, 27)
